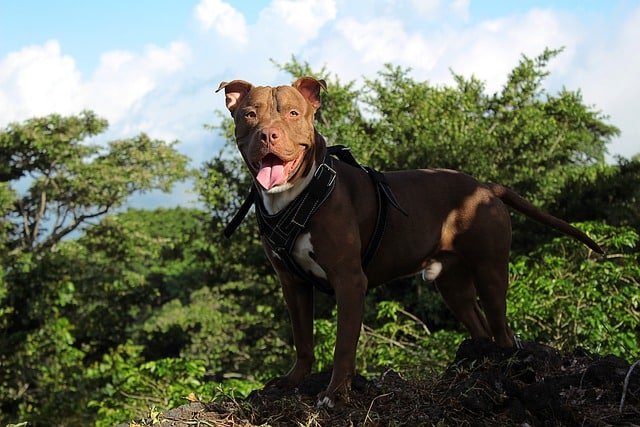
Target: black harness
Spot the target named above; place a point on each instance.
(282, 229)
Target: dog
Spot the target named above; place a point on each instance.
(445, 224)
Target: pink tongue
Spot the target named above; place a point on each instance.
(271, 172)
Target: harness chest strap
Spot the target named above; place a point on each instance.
(282, 229)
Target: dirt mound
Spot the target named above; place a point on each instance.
(485, 385)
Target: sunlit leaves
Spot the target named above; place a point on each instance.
(565, 296)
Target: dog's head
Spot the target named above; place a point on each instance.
(274, 129)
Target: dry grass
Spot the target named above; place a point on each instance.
(485, 385)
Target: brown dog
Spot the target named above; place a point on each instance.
(455, 229)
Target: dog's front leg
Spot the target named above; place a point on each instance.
(350, 293)
(298, 296)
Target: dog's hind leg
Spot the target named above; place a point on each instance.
(459, 293)
(492, 283)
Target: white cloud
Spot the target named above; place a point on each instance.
(40, 80)
(432, 10)
(384, 40)
(294, 22)
(460, 9)
(282, 28)
(223, 18)
(37, 80)
(427, 9)
(153, 90)
(608, 79)
(122, 78)
(492, 48)
(488, 49)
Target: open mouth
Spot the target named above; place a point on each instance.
(273, 171)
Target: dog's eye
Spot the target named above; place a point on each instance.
(294, 113)
(250, 114)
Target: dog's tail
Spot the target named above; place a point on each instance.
(520, 204)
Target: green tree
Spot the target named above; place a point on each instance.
(606, 192)
(55, 182)
(521, 136)
(564, 296)
(105, 314)
(183, 324)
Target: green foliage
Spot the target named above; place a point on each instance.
(71, 181)
(396, 340)
(403, 342)
(222, 330)
(565, 296)
(134, 385)
(521, 136)
(105, 317)
(223, 183)
(613, 192)
(47, 332)
(41, 143)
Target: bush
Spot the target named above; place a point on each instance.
(566, 296)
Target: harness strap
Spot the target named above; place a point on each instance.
(379, 180)
(384, 195)
(282, 229)
(242, 212)
(324, 179)
(381, 222)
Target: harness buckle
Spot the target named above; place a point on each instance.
(325, 167)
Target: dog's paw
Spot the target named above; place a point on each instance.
(325, 400)
(333, 397)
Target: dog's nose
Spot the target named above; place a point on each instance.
(270, 135)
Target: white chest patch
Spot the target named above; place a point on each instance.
(303, 255)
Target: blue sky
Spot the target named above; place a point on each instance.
(151, 66)
(87, 28)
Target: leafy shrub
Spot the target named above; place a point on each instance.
(399, 341)
(136, 386)
(566, 296)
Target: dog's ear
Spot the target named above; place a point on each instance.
(310, 89)
(234, 91)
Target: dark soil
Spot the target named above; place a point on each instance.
(484, 386)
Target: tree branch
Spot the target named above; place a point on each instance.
(77, 221)
(26, 241)
(61, 218)
(38, 218)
